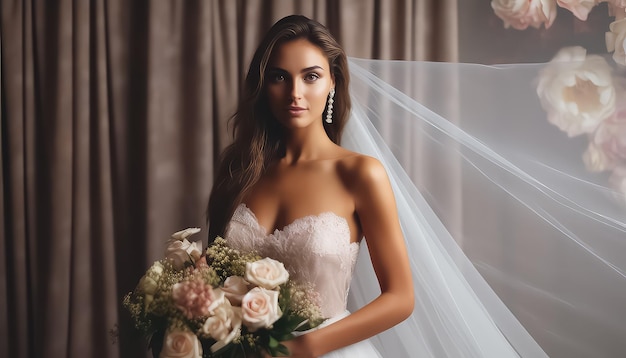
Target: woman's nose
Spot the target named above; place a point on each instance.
(296, 89)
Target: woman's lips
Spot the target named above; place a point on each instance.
(293, 110)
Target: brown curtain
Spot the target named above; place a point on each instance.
(112, 115)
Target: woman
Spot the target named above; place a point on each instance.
(286, 189)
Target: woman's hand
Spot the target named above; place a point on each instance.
(298, 348)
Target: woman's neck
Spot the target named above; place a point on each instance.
(306, 144)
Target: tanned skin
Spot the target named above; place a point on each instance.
(317, 176)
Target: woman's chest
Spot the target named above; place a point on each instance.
(280, 198)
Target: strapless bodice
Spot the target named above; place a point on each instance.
(315, 249)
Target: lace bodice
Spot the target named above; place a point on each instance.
(315, 249)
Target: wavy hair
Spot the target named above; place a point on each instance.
(257, 135)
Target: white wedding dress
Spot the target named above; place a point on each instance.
(315, 249)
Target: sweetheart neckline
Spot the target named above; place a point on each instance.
(294, 222)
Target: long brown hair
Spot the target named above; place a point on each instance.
(258, 137)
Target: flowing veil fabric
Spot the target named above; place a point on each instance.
(516, 249)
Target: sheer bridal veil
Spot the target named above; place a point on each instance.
(517, 247)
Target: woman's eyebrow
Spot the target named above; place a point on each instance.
(278, 69)
(312, 68)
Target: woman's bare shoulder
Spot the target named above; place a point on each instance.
(361, 170)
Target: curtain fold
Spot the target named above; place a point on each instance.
(113, 114)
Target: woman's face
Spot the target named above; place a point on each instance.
(298, 80)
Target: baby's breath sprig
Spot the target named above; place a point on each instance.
(227, 261)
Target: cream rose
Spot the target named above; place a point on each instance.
(235, 287)
(181, 344)
(616, 41)
(260, 308)
(520, 14)
(224, 325)
(580, 8)
(266, 273)
(577, 91)
(149, 283)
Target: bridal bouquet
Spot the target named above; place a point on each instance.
(220, 304)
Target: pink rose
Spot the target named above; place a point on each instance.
(266, 273)
(235, 287)
(224, 325)
(195, 298)
(523, 13)
(260, 308)
(580, 8)
(181, 344)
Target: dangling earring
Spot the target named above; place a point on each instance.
(329, 110)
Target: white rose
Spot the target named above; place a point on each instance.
(181, 344)
(580, 8)
(577, 91)
(266, 273)
(183, 234)
(224, 325)
(520, 14)
(260, 308)
(235, 287)
(616, 41)
(181, 251)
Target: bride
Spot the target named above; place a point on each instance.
(514, 235)
(286, 189)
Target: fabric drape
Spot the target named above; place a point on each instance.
(113, 113)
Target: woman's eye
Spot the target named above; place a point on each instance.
(277, 78)
(311, 77)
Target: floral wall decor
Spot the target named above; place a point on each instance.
(583, 94)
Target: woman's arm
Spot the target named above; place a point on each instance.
(376, 209)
